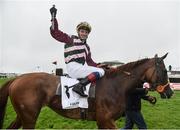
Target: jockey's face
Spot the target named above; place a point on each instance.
(83, 34)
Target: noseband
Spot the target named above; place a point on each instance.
(161, 88)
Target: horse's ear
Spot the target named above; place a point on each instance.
(156, 56)
(163, 57)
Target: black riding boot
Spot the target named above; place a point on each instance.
(80, 87)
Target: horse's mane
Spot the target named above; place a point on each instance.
(131, 65)
(125, 68)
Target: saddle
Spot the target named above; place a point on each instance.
(91, 89)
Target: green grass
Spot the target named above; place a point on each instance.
(165, 114)
(2, 80)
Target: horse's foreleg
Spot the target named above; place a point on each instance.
(105, 120)
(15, 124)
(106, 124)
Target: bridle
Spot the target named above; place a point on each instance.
(160, 88)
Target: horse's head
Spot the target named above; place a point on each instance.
(157, 76)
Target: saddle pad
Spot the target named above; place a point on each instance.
(71, 99)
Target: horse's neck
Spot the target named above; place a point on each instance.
(140, 70)
(122, 81)
(137, 75)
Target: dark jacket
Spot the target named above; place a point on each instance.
(133, 102)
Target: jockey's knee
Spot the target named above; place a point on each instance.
(100, 73)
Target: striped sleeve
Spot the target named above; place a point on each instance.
(59, 35)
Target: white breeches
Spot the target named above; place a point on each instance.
(77, 70)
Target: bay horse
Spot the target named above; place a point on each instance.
(30, 92)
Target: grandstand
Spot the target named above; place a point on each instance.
(8, 75)
(174, 78)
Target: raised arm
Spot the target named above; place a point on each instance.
(58, 34)
(54, 30)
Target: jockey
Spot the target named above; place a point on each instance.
(77, 55)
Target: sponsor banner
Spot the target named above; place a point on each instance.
(175, 86)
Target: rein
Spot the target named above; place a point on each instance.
(112, 69)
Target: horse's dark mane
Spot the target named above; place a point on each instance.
(125, 68)
(131, 65)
